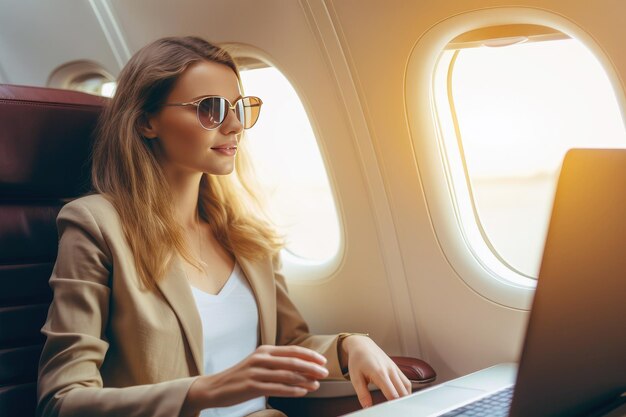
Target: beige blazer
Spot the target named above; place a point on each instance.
(115, 349)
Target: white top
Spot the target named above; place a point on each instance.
(230, 325)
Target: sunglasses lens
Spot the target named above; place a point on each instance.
(212, 112)
(250, 108)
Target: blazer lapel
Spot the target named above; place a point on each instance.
(261, 279)
(177, 292)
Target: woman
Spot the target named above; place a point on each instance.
(167, 300)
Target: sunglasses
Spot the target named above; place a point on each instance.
(212, 110)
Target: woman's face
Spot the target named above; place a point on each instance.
(181, 144)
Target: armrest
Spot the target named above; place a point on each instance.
(336, 398)
(415, 369)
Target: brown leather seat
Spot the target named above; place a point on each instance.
(45, 142)
(45, 138)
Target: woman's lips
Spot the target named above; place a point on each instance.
(226, 151)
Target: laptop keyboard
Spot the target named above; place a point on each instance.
(494, 405)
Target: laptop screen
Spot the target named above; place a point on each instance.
(574, 357)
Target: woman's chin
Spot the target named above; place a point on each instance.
(223, 170)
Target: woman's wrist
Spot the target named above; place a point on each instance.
(344, 349)
(195, 400)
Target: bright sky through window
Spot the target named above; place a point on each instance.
(519, 109)
(287, 159)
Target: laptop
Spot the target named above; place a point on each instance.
(573, 361)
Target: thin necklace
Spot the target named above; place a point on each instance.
(199, 233)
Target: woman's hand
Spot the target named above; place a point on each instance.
(368, 363)
(284, 371)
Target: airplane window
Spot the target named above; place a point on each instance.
(509, 109)
(94, 84)
(288, 162)
(85, 76)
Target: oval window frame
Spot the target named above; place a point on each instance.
(65, 75)
(293, 266)
(436, 181)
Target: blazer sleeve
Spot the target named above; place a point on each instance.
(69, 380)
(293, 330)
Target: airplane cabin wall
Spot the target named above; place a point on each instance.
(460, 331)
(347, 61)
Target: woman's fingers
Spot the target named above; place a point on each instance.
(294, 351)
(406, 382)
(280, 390)
(398, 383)
(366, 358)
(284, 377)
(360, 386)
(292, 364)
(391, 384)
(383, 382)
(287, 371)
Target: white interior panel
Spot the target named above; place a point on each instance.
(36, 37)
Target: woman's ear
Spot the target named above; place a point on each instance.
(146, 127)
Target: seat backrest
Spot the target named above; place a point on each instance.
(45, 142)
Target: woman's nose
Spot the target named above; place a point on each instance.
(232, 123)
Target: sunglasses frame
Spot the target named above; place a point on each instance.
(197, 102)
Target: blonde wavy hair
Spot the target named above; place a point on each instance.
(126, 172)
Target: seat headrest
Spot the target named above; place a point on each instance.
(45, 142)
